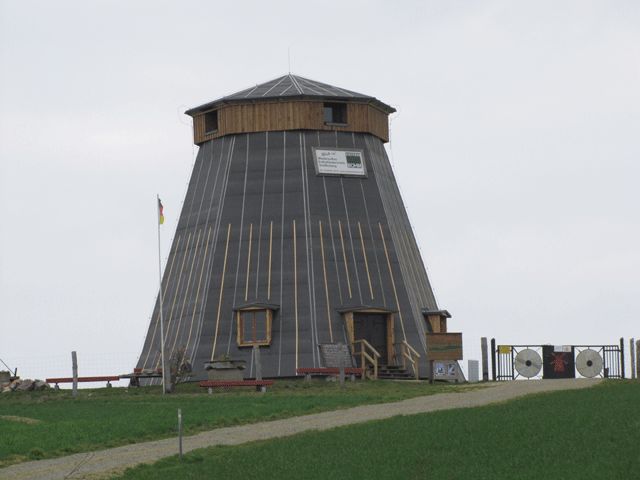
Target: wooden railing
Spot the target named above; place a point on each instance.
(368, 356)
(409, 357)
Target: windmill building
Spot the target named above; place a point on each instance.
(293, 234)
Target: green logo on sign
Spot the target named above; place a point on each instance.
(354, 161)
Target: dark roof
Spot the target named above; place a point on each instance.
(364, 308)
(291, 87)
(268, 306)
(440, 313)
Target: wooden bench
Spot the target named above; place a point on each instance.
(261, 385)
(107, 379)
(309, 372)
(138, 373)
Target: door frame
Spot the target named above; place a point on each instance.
(347, 315)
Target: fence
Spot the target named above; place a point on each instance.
(59, 365)
(511, 362)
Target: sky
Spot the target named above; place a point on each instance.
(515, 144)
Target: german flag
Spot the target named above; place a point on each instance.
(160, 212)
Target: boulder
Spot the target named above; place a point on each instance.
(39, 385)
(25, 385)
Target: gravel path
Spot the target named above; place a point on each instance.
(105, 463)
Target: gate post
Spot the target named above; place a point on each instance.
(622, 357)
(632, 356)
(493, 358)
(485, 359)
(637, 358)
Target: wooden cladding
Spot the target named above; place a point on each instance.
(437, 324)
(294, 115)
(444, 346)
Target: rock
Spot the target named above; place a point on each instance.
(39, 385)
(26, 385)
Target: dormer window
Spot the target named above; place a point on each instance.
(254, 323)
(211, 122)
(335, 113)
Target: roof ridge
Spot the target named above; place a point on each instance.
(290, 86)
(294, 80)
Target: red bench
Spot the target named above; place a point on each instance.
(107, 379)
(308, 372)
(261, 385)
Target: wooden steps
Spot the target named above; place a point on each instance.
(394, 372)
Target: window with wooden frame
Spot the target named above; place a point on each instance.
(254, 326)
(335, 113)
(211, 122)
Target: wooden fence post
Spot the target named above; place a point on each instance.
(493, 358)
(485, 359)
(180, 432)
(74, 367)
(638, 359)
(632, 355)
(622, 359)
(257, 361)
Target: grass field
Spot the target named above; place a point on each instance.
(579, 434)
(36, 425)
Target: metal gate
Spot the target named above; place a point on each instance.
(510, 362)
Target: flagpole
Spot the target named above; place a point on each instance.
(164, 370)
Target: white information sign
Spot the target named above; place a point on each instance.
(562, 348)
(340, 162)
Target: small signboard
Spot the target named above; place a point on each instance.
(445, 371)
(340, 162)
(444, 346)
(504, 349)
(335, 355)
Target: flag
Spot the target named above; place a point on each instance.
(160, 212)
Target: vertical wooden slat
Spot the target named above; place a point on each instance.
(390, 339)
(224, 269)
(344, 257)
(290, 115)
(326, 286)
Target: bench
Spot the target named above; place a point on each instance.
(308, 372)
(261, 385)
(107, 379)
(138, 373)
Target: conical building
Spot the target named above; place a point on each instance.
(292, 234)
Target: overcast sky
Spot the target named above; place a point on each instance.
(516, 146)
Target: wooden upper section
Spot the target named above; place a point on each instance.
(289, 115)
(289, 102)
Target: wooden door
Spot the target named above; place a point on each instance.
(372, 327)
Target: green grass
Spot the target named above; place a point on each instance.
(579, 434)
(112, 417)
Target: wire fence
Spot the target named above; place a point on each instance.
(90, 364)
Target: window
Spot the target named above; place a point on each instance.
(254, 327)
(335, 113)
(211, 122)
